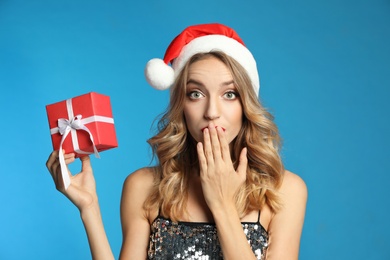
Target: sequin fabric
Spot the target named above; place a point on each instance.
(190, 240)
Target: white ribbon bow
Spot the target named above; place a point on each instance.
(64, 125)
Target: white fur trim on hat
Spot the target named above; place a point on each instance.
(219, 43)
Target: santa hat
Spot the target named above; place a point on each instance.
(199, 39)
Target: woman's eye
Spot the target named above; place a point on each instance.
(230, 95)
(194, 95)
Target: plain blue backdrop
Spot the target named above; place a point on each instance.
(324, 68)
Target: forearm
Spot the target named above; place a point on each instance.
(232, 238)
(97, 238)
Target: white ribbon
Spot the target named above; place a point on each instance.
(71, 125)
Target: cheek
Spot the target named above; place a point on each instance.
(235, 113)
(191, 114)
(189, 119)
(187, 116)
(192, 123)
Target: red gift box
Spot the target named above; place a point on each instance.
(84, 124)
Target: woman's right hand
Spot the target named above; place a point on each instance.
(82, 188)
(82, 192)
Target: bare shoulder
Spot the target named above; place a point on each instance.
(286, 225)
(293, 185)
(134, 218)
(136, 189)
(140, 179)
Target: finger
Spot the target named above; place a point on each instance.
(58, 180)
(52, 164)
(85, 163)
(243, 162)
(201, 157)
(69, 158)
(225, 150)
(207, 146)
(52, 158)
(53, 170)
(216, 148)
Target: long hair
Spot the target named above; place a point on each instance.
(176, 150)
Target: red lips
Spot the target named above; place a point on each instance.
(215, 128)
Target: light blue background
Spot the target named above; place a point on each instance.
(324, 69)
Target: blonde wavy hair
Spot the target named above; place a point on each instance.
(176, 150)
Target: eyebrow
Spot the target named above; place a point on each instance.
(195, 82)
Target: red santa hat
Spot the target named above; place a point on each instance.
(199, 39)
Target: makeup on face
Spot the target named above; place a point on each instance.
(212, 100)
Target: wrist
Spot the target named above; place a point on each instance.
(91, 210)
(223, 211)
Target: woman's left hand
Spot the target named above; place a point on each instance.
(220, 181)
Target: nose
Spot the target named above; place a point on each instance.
(212, 110)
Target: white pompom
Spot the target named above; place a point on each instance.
(159, 75)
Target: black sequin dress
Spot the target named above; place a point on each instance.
(193, 240)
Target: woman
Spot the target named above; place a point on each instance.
(220, 190)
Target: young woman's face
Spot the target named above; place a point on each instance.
(212, 98)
